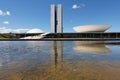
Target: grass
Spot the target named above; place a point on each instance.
(5, 36)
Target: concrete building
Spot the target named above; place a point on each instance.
(35, 31)
(59, 16)
(53, 19)
(56, 19)
(92, 28)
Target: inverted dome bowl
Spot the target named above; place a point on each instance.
(92, 28)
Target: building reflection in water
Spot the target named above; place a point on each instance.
(56, 55)
(46, 66)
(95, 47)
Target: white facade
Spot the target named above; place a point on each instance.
(60, 28)
(56, 18)
(92, 28)
(53, 19)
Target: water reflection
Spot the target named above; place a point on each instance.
(56, 55)
(56, 60)
(96, 47)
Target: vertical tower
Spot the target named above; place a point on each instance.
(53, 19)
(59, 16)
(56, 19)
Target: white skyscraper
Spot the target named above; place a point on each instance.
(53, 19)
(56, 19)
(59, 16)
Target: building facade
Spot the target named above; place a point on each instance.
(56, 19)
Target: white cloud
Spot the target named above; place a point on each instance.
(5, 22)
(8, 30)
(4, 30)
(7, 13)
(19, 30)
(75, 6)
(1, 12)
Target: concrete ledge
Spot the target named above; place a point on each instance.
(64, 39)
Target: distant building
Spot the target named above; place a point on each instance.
(56, 19)
(59, 16)
(35, 31)
(92, 28)
(53, 21)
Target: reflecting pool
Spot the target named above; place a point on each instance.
(59, 60)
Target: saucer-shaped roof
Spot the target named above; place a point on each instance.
(92, 28)
(35, 31)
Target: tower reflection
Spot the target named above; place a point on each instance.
(56, 55)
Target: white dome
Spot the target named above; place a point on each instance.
(35, 31)
(92, 28)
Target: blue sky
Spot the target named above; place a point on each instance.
(29, 14)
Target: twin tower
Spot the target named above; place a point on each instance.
(56, 19)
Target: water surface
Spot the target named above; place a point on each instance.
(59, 60)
